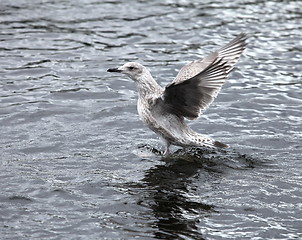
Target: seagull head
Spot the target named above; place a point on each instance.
(132, 69)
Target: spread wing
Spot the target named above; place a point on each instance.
(230, 52)
(187, 96)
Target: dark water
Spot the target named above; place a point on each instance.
(72, 161)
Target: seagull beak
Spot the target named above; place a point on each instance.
(114, 70)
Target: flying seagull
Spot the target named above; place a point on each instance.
(191, 92)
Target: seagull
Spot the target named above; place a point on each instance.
(192, 91)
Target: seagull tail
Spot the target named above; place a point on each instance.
(200, 140)
(220, 144)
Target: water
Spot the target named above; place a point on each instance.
(77, 163)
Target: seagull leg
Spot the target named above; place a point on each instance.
(167, 150)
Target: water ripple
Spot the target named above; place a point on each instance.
(72, 160)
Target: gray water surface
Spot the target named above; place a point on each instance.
(76, 161)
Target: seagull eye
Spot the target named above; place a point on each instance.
(131, 68)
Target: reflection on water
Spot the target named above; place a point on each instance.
(68, 160)
(176, 214)
(171, 192)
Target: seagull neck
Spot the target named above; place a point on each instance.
(147, 86)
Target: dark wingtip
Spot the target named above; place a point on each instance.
(220, 144)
